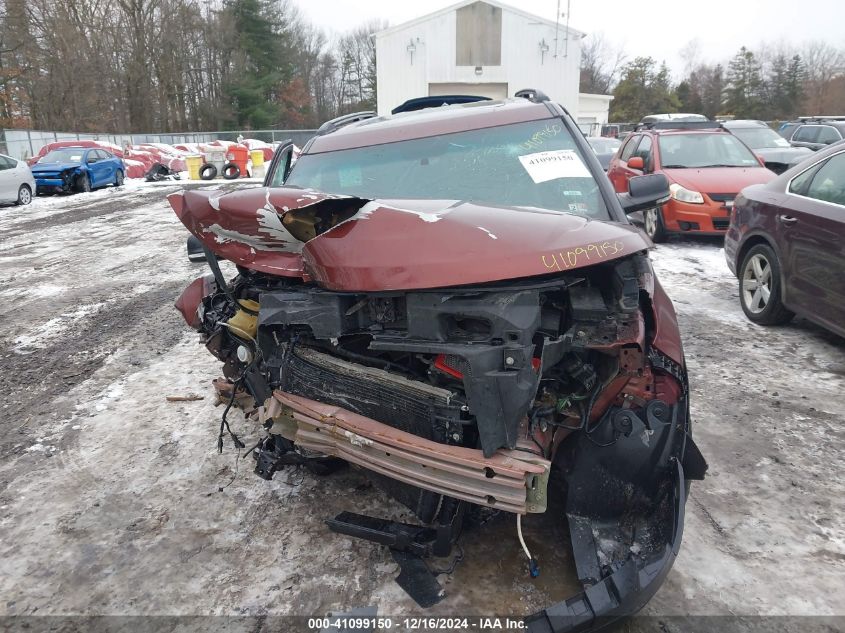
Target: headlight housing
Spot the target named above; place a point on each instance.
(685, 195)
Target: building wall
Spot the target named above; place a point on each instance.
(592, 112)
(403, 76)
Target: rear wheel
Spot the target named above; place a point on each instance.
(83, 183)
(118, 178)
(653, 224)
(760, 289)
(24, 195)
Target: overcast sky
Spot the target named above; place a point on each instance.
(659, 28)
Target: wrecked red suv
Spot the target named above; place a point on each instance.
(454, 300)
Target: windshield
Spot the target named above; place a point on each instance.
(63, 156)
(533, 164)
(704, 150)
(759, 137)
(604, 145)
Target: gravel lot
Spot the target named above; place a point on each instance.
(109, 494)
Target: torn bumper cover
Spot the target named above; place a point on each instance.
(625, 537)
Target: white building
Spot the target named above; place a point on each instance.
(486, 48)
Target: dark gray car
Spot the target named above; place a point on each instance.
(604, 148)
(776, 151)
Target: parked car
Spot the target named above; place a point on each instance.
(16, 182)
(454, 300)
(77, 169)
(776, 152)
(817, 134)
(706, 167)
(785, 244)
(604, 148)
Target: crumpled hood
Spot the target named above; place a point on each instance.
(53, 167)
(396, 244)
(719, 179)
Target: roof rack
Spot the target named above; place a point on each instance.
(535, 96)
(822, 117)
(679, 125)
(341, 121)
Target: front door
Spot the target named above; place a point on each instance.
(811, 230)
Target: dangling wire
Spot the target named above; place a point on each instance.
(533, 566)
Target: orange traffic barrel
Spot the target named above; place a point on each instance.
(239, 155)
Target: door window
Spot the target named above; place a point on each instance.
(629, 148)
(7, 163)
(829, 182)
(828, 135)
(644, 151)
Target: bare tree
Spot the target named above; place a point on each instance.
(822, 63)
(600, 64)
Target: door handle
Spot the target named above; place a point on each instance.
(787, 220)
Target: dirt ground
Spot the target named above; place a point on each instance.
(111, 500)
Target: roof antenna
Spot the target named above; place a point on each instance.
(566, 48)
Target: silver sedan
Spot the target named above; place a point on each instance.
(16, 182)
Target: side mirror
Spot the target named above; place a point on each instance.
(644, 192)
(636, 162)
(196, 253)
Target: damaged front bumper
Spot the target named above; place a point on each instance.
(624, 509)
(508, 480)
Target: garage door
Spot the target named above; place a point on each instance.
(494, 91)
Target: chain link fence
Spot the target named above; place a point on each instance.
(23, 144)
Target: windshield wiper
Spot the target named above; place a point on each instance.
(675, 166)
(723, 165)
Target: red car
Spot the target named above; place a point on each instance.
(785, 244)
(706, 167)
(453, 299)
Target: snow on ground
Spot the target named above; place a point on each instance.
(111, 496)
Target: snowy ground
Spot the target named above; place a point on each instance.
(110, 498)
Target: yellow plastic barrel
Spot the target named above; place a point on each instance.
(257, 157)
(193, 163)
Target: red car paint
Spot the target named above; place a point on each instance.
(400, 245)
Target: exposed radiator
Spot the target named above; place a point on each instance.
(408, 405)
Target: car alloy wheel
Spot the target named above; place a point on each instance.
(653, 224)
(756, 283)
(24, 195)
(760, 292)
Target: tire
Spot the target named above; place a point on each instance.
(118, 178)
(208, 172)
(83, 183)
(24, 195)
(653, 224)
(760, 292)
(231, 171)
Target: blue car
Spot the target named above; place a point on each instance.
(77, 169)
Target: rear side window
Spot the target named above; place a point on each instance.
(828, 135)
(7, 163)
(806, 134)
(829, 181)
(629, 148)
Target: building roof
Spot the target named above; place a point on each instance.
(495, 3)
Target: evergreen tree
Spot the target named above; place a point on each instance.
(260, 65)
(643, 89)
(744, 94)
